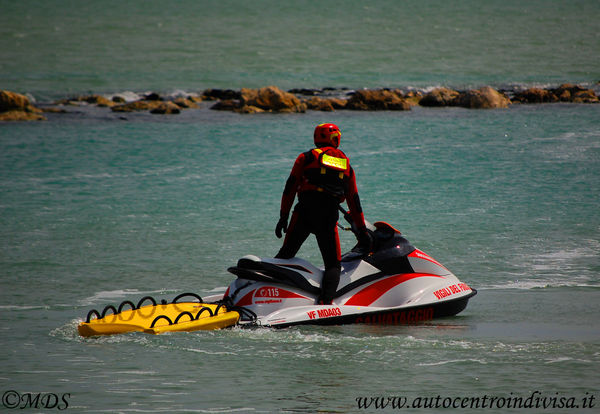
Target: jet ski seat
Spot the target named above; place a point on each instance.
(268, 272)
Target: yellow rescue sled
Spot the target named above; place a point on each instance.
(158, 318)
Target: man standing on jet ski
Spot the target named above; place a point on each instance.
(323, 178)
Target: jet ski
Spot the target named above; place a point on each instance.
(393, 283)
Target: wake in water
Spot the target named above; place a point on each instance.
(564, 268)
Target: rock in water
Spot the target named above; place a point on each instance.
(377, 99)
(273, 99)
(17, 107)
(483, 98)
(439, 97)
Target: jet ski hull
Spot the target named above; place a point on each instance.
(380, 299)
(339, 315)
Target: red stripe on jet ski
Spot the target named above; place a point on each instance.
(373, 292)
(246, 300)
(421, 255)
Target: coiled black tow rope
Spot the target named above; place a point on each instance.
(107, 308)
(127, 302)
(187, 294)
(245, 313)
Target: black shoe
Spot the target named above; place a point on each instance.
(321, 300)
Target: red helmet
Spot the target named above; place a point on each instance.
(327, 135)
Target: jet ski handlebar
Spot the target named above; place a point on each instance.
(353, 228)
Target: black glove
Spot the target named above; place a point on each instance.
(365, 240)
(281, 226)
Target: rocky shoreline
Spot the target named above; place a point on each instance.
(17, 107)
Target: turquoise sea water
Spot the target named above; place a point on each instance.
(95, 209)
(49, 50)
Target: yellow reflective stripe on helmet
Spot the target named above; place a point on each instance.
(334, 162)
